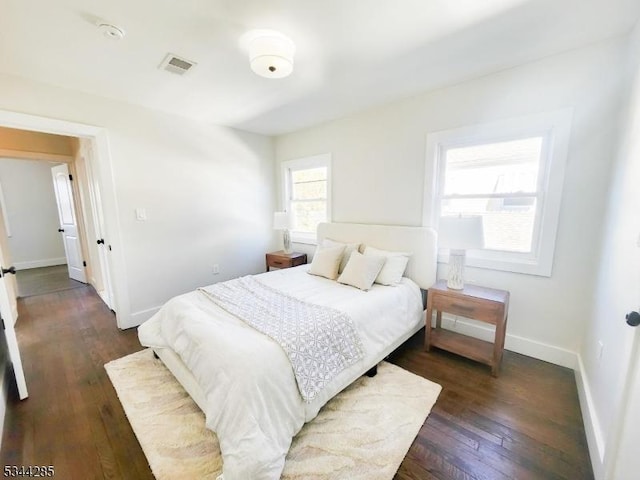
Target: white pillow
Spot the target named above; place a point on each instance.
(348, 248)
(326, 262)
(361, 270)
(394, 267)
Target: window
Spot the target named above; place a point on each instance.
(510, 173)
(307, 188)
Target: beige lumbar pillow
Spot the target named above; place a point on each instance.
(394, 267)
(326, 262)
(348, 249)
(361, 270)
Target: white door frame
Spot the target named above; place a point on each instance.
(88, 201)
(106, 206)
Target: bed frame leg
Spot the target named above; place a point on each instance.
(155, 355)
(372, 372)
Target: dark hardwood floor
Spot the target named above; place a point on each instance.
(72, 419)
(525, 424)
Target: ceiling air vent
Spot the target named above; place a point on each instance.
(174, 64)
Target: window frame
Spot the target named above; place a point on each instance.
(304, 163)
(554, 128)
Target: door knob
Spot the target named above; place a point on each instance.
(8, 270)
(100, 242)
(633, 319)
(61, 229)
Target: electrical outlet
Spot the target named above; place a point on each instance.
(216, 269)
(600, 349)
(141, 214)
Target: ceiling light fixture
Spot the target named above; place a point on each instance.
(271, 53)
(110, 31)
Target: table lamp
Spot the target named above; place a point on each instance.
(459, 234)
(282, 221)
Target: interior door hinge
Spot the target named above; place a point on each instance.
(3, 327)
(70, 177)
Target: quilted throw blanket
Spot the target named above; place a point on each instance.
(319, 341)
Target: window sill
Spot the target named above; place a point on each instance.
(511, 265)
(305, 240)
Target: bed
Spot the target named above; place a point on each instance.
(244, 381)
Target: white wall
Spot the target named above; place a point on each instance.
(32, 213)
(379, 165)
(618, 282)
(208, 191)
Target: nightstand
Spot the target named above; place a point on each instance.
(280, 259)
(478, 303)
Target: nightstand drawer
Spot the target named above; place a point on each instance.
(279, 262)
(476, 309)
(285, 260)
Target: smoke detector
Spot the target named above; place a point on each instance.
(174, 64)
(111, 31)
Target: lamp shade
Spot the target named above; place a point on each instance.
(461, 232)
(271, 55)
(281, 221)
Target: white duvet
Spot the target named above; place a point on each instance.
(252, 400)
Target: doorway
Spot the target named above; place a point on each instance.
(93, 168)
(44, 207)
(33, 214)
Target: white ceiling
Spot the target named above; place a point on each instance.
(351, 54)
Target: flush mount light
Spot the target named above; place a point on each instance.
(110, 31)
(270, 53)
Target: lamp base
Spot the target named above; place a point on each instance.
(455, 280)
(286, 239)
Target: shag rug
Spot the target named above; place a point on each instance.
(363, 433)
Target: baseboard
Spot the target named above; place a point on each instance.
(514, 343)
(595, 438)
(45, 262)
(103, 295)
(138, 318)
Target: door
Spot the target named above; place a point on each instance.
(10, 334)
(8, 313)
(627, 463)
(68, 224)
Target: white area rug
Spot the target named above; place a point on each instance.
(363, 433)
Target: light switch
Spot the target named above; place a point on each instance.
(141, 214)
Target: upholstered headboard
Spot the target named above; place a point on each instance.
(421, 242)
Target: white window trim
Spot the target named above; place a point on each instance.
(555, 128)
(320, 160)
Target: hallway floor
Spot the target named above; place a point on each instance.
(39, 281)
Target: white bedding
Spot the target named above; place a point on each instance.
(252, 401)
